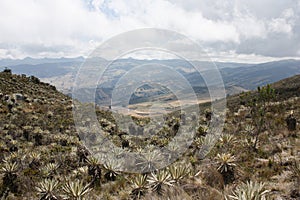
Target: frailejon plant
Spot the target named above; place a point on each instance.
(34, 160)
(112, 167)
(81, 172)
(249, 140)
(295, 168)
(227, 139)
(149, 161)
(226, 162)
(139, 185)
(250, 191)
(48, 189)
(178, 171)
(94, 168)
(50, 169)
(9, 169)
(258, 105)
(76, 190)
(160, 179)
(199, 141)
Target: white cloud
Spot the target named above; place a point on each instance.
(283, 24)
(75, 27)
(54, 23)
(280, 25)
(249, 26)
(163, 14)
(232, 56)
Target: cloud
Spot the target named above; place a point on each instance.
(55, 28)
(283, 24)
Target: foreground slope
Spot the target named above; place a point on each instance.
(41, 156)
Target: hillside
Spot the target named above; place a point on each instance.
(261, 74)
(285, 89)
(42, 157)
(289, 87)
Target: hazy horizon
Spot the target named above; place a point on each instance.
(151, 59)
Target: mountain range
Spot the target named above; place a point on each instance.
(237, 77)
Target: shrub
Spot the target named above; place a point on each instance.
(258, 104)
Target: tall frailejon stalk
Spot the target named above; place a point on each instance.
(9, 169)
(226, 167)
(113, 168)
(258, 104)
(139, 186)
(94, 169)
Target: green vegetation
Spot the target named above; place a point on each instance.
(258, 104)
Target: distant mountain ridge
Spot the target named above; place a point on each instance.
(35, 61)
(237, 77)
(261, 74)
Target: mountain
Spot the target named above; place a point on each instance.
(261, 74)
(237, 77)
(36, 61)
(288, 88)
(43, 68)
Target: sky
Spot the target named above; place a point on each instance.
(228, 30)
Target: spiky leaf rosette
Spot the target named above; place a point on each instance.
(139, 185)
(113, 167)
(159, 179)
(47, 188)
(75, 190)
(178, 171)
(250, 191)
(226, 162)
